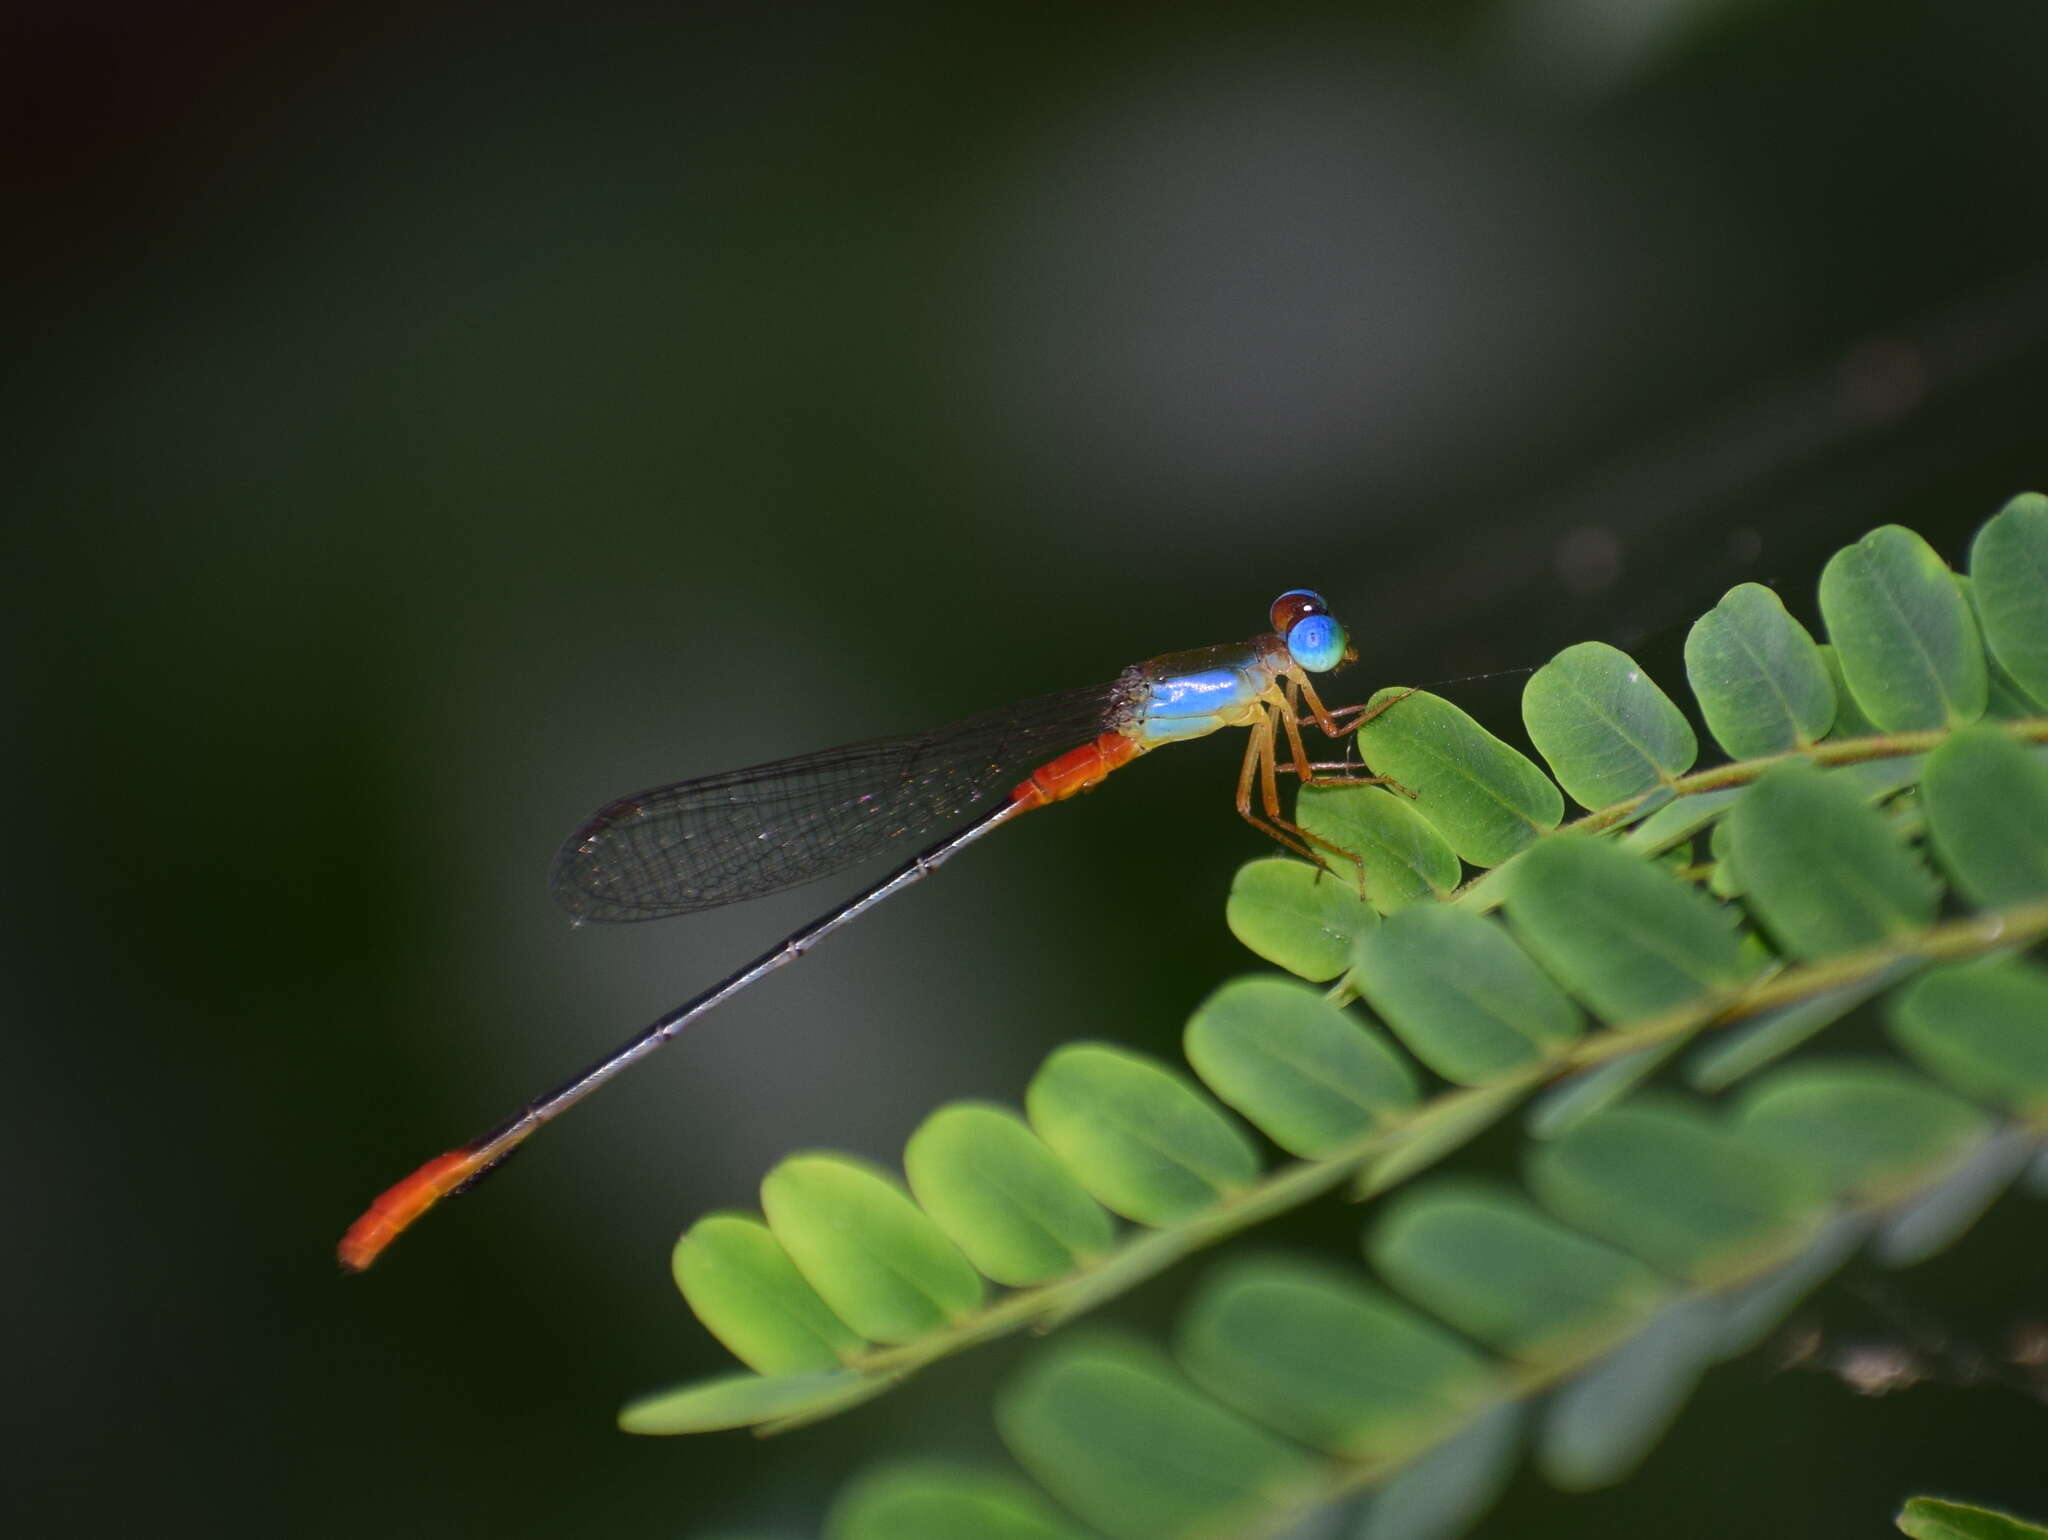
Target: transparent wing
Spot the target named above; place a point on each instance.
(746, 833)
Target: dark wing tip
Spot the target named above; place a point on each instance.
(588, 878)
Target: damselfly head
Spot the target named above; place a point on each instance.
(1315, 639)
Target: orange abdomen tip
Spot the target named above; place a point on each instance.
(403, 1202)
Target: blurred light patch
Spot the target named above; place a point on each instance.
(1281, 288)
(1596, 47)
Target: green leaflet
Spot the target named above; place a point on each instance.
(1732, 1054)
(1979, 1026)
(1757, 1307)
(1677, 1190)
(2005, 700)
(1464, 998)
(2005, 703)
(1626, 936)
(1907, 644)
(1138, 1135)
(1110, 1430)
(1406, 860)
(742, 1400)
(1328, 1361)
(1677, 859)
(1680, 820)
(1606, 729)
(1444, 1493)
(1987, 801)
(1759, 679)
(1936, 1518)
(1936, 1217)
(1878, 779)
(930, 1501)
(1824, 870)
(1597, 1428)
(1577, 1097)
(1436, 1129)
(749, 1295)
(1868, 1130)
(2009, 573)
(1850, 722)
(1296, 916)
(872, 1255)
(1726, 881)
(1486, 799)
(1001, 1196)
(1310, 1075)
(1499, 1271)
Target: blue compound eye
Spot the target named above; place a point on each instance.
(1318, 643)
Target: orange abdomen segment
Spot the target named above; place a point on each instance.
(403, 1202)
(1076, 770)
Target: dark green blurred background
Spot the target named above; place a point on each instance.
(433, 421)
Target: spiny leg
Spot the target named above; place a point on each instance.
(1261, 761)
(1290, 718)
(1329, 721)
(1325, 718)
(1256, 748)
(1313, 773)
(1343, 772)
